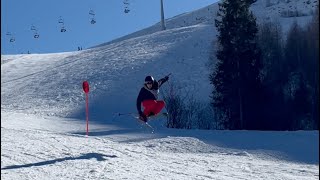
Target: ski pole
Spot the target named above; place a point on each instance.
(121, 114)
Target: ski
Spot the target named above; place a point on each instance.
(145, 124)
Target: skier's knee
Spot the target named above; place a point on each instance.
(161, 104)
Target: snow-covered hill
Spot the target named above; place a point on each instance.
(34, 147)
(283, 11)
(47, 148)
(43, 112)
(52, 84)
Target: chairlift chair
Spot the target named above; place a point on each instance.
(63, 29)
(60, 20)
(126, 6)
(33, 28)
(36, 35)
(93, 21)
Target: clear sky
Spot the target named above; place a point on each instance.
(17, 17)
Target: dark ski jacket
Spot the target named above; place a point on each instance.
(149, 94)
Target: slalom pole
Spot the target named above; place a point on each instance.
(85, 86)
(87, 113)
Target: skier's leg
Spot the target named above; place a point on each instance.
(158, 107)
(148, 106)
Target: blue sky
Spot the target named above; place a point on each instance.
(111, 20)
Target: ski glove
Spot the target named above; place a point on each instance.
(166, 78)
(141, 114)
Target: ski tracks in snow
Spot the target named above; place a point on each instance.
(41, 154)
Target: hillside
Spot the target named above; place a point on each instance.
(283, 11)
(184, 47)
(43, 113)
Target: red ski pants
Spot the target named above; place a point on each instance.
(152, 106)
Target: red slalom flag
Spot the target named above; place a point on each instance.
(85, 86)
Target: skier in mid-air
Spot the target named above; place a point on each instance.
(148, 96)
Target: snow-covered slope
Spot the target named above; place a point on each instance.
(116, 70)
(52, 84)
(43, 114)
(283, 11)
(34, 147)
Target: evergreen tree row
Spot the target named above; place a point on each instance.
(261, 81)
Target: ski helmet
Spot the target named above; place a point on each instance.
(149, 79)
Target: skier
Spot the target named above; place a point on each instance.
(148, 96)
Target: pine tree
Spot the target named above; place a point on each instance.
(297, 91)
(312, 66)
(273, 76)
(236, 76)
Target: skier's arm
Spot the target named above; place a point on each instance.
(163, 80)
(139, 102)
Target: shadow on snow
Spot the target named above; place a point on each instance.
(97, 156)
